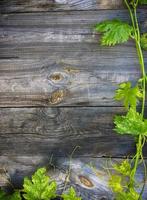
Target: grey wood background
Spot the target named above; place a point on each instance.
(56, 90)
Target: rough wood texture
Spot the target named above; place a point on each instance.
(7, 6)
(50, 59)
(53, 59)
(31, 131)
(66, 23)
(72, 82)
(87, 176)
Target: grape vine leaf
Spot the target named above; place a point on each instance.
(115, 183)
(131, 124)
(144, 41)
(123, 168)
(40, 187)
(71, 195)
(128, 94)
(114, 32)
(131, 195)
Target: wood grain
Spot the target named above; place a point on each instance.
(7, 6)
(49, 56)
(53, 59)
(31, 131)
(68, 22)
(87, 176)
(78, 79)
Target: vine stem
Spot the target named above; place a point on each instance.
(69, 168)
(136, 31)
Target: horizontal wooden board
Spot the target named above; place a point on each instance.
(77, 79)
(70, 22)
(87, 175)
(7, 6)
(31, 131)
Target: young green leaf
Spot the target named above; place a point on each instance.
(131, 195)
(71, 195)
(40, 187)
(144, 41)
(123, 168)
(128, 94)
(132, 124)
(114, 32)
(115, 183)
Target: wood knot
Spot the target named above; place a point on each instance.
(56, 77)
(57, 96)
(85, 181)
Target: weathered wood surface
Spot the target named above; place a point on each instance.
(31, 131)
(66, 23)
(7, 6)
(87, 175)
(71, 82)
(50, 59)
(53, 59)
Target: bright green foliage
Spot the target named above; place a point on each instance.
(124, 168)
(14, 196)
(71, 195)
(131, 195)
(40, 187)
(122, 178)
(144, 41)
(143, 1)
(132, 124)
(114, 32)
(115, 182)
(119, 182)
(128, 94)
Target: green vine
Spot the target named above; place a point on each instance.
(39, 187)
(122, 181)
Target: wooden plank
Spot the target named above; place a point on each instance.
(7, 6)
(31, 131)
(71, 22)
(87, 176)
(68, 78)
